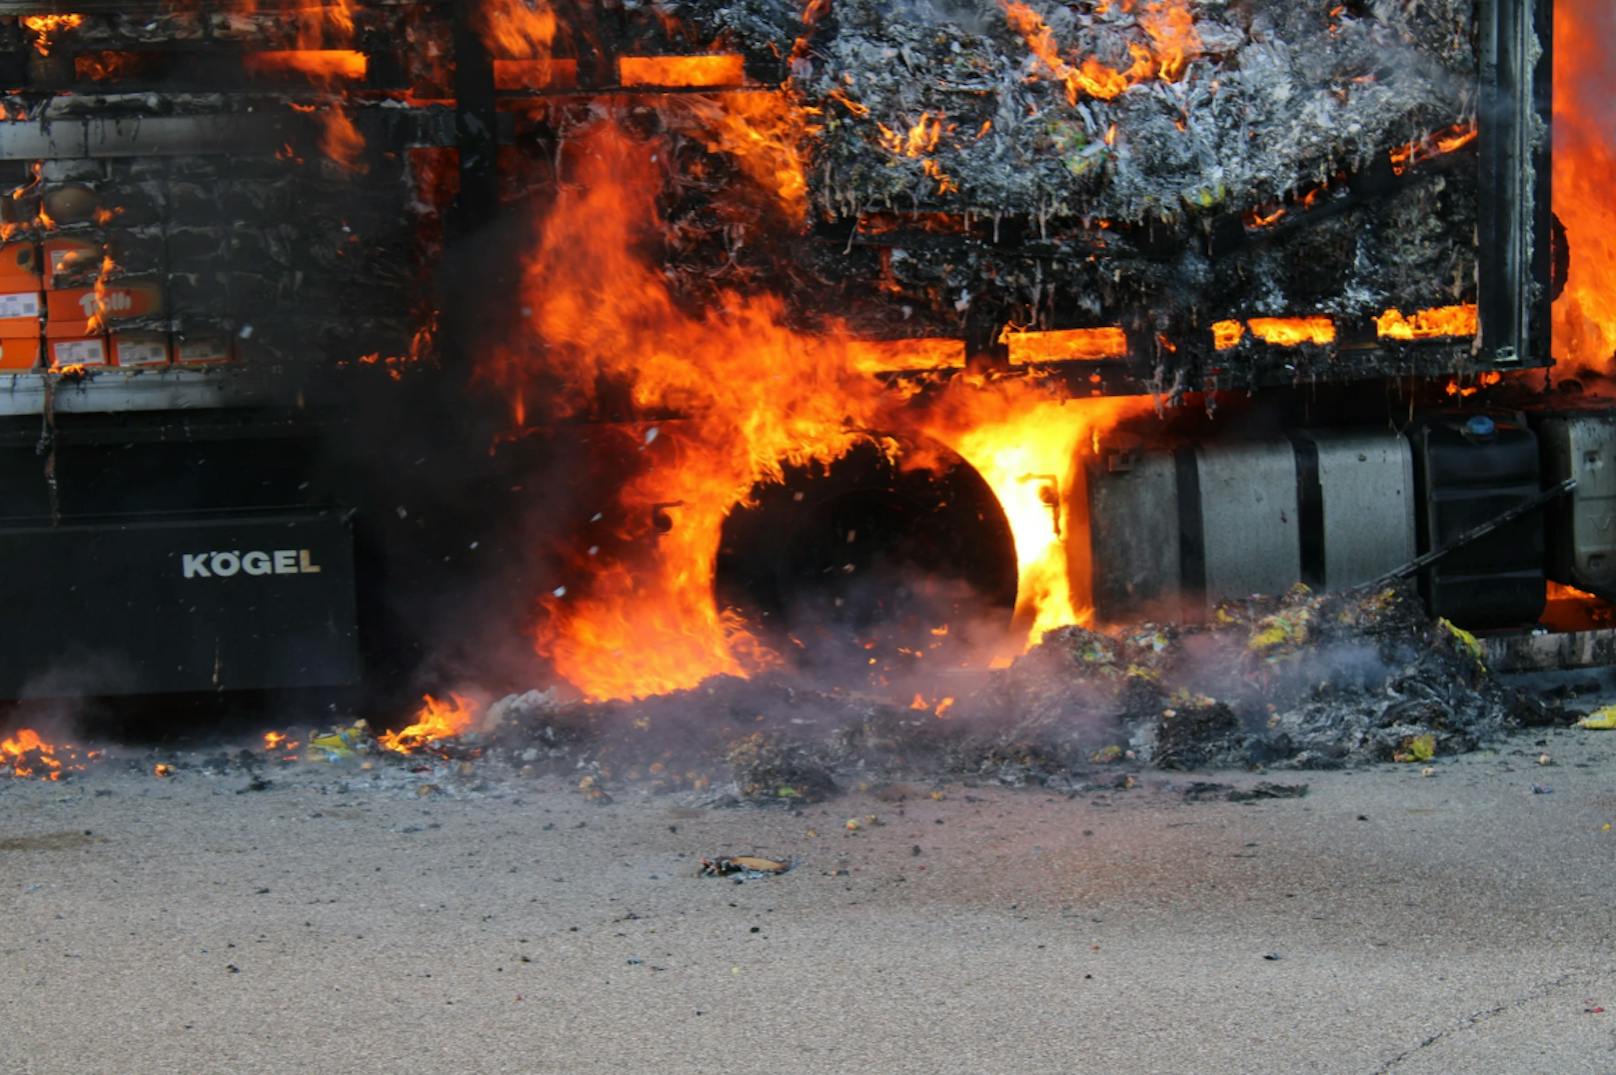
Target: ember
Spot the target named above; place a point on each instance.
(1293, 331)
(1428, 324)
(681, 71)
(322, 65)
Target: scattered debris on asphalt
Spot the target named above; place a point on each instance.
(747, 867)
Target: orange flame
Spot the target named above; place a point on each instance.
(919, 140)
(1436, 144)
(1584, 161)
(26, 754)
(1293, 331)
(518, 29)
(318, 65)
(1167, 24)
(1429, 324)
(758, 395)
(44, 27)
(435, 720)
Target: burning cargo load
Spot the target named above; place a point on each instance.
(1171, 169)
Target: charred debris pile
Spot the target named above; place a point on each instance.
(1300, 682)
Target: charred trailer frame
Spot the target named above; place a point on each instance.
(141, 141)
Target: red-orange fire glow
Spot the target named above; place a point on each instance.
(1429, 324)
(541, 74)
(1065, 345)
(756, 394)
(45, 27)
(1227, 334)
(518, 29)
(1167, 24)
(676, 72)
(319, 65)
(1584, 161)
(25, 753)
(435, 720)
(898, 356)
(1293, 331)
(1436, 144)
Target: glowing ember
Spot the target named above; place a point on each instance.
(1293, 331)
(1227, 334)
(435, 720)
(162, 770)
(1065, 345)
(1584, 161)
(682, 71)
(1167, 24)
(44, 27)
(1559, 591)
(1465, 391)
(322, 65)
(26, 754)
(1428, 324)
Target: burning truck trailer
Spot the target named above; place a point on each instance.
(734, 335)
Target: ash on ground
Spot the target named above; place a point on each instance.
(1298, 682)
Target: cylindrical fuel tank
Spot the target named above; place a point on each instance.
(1471, 468)
(1356, 494)
(1156, 532)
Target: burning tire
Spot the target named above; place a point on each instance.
(872, 565)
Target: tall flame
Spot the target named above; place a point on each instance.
(640, 618)
(1584, 161)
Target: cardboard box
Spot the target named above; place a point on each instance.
(67, 255)
(19, 267)
(210, 350)
(19, 313)
(139, 350)
(68, 312)
(19, 353)
(80, 351)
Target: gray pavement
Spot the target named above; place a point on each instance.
(1387, 922)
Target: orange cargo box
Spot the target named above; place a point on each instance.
(19, 313)
(19, 353)
(68, 312)
(19, 267)
(69, 255)
(81, 351)
(137, 350)
(202, 351)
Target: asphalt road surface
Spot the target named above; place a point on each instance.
(341, 922)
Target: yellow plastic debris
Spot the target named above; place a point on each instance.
(1467, 640)
(1421, 748)
(1602, 719)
